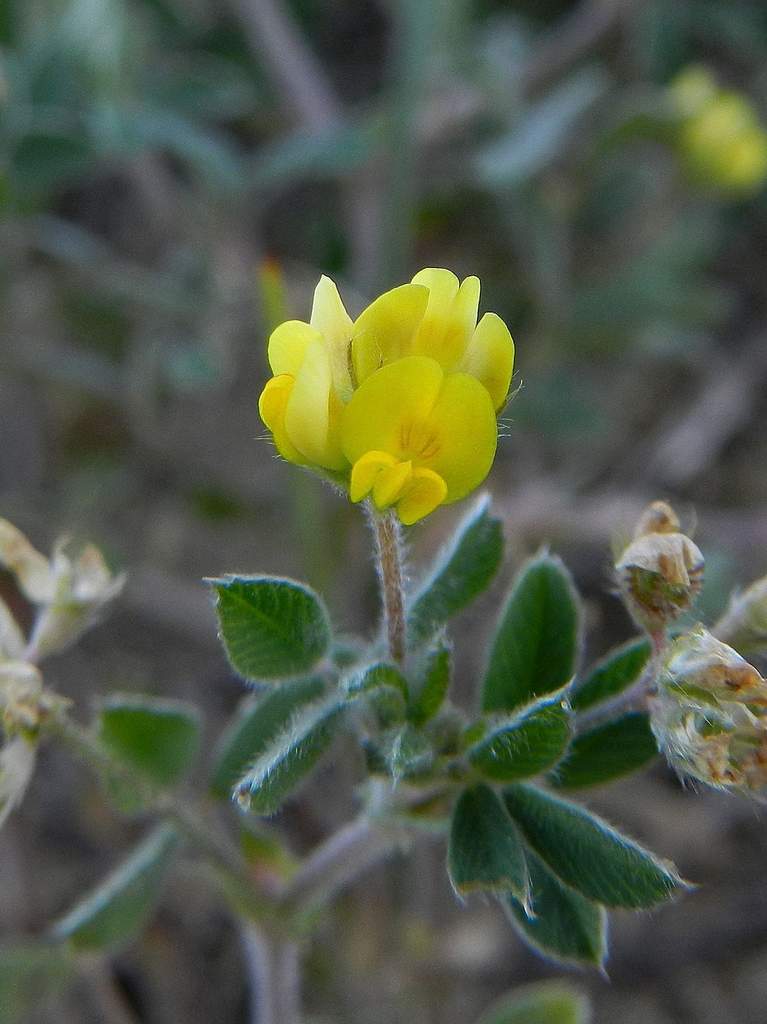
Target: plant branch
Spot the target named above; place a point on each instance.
(273, 970)
(388, 537)
(340, 860)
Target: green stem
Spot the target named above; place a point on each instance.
(388, 536)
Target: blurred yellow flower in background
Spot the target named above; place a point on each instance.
(399, 404)
(721, 140)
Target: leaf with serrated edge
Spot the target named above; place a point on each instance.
(462, 570)
(565, 926)
(548, 1002)
(257, 723)
(271, 627)
(587, 854)
(289, 758)
(613, 674)
(536, 643)
(607, 752)
(485, 850)
(119, 907)
(159, 737)
(525, 745)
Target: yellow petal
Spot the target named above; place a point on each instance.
(443, 289)
(388, 405)
(271, 407)
(287, 346)
(490, 357)
(424, 493)
(385, 330)
(465, 435)
(313, 411)
(364, 473)
(391, 483)
(330, 318)
(461, 321)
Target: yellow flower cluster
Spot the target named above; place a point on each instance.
(400, 404)
(721, 140)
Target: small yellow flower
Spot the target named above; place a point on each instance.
(399, 404)
(721, 140)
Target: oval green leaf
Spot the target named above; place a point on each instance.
(116, 911)
(524, 746)
(257, 723)
(618, 670)
(462, 571)
(289, 757)
(566, 926)
(607, 752)
(536, 644)
(548, 1002)
(271, 628)
(485, 851)
(587, 854)
(158, 737)
(431, 688)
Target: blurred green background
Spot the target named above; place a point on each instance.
(173, 174)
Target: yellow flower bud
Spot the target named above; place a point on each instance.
(661, 572)
(709, 713)
(400, 404)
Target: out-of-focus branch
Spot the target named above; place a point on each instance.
(276, 42)
(572, 39)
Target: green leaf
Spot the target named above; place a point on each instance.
(536, 644)
(371, 677)
(290, 757)
(411, 754)
(271, 628)
(548, 1002)
(385, 688)
(526, 745)
(120, 906)
(607, 752)
(566, 926)
(30, 974)
(485, 851)
(158, 737)
(462, 571)
(432, 688)
(612, 675)
(259, 721)
(587, 854)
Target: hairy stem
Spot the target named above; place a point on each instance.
(388, 536)
(273, 969)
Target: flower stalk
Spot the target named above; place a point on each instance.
(388, 539)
